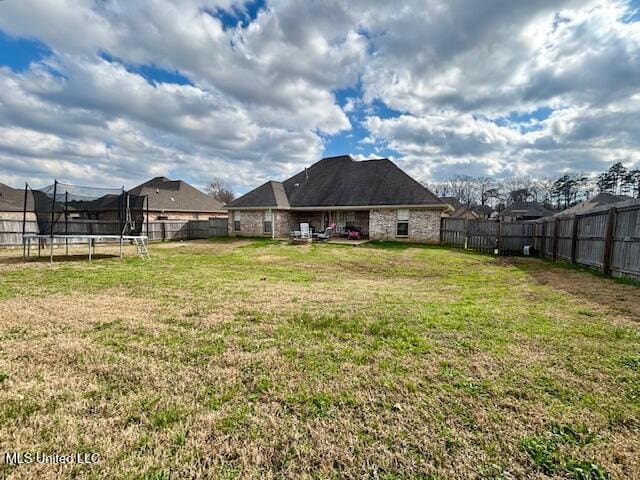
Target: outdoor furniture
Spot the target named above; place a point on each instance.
(326, 235)
(353, 232)
(305, 233)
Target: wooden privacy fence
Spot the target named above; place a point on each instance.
(607, 238)
(11, 230)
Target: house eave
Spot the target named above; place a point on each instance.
(441, 206)
(174, 210)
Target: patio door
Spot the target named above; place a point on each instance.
(343, 219)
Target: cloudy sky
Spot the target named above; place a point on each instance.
(116, 91)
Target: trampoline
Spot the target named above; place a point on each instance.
(70, 215)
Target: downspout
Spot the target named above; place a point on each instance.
(273, 224)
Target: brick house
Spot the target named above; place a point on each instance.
(524, 211)
(12, 203)
(177, 200)
(374, 196)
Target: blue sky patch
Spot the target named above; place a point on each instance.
(525, 121)
(19, 53)
(151, 73)
(236, 15)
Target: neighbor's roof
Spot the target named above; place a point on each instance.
(483, 209)
(453, 201)
(12, 199)
(526, 209)
(460, 210)
(341, 182)
(603, 198)
(176, 195)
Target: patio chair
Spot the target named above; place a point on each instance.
(305, 231)
(326, 235)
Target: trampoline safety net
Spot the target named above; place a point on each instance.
(71, 210)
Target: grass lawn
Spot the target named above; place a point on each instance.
(257, 359)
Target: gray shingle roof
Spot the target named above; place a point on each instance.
(526, 209)
(12, 199)
(603, 198)
(483, 209)
(342, 181)
(267, 195)
(176, 195)
(453, 201)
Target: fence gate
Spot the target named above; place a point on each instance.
(482, 235)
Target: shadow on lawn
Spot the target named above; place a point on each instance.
(622, 296)
(56, 259)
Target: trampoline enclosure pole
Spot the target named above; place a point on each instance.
(66, 222)
(53, 210)
(24, 216)
(147, 216)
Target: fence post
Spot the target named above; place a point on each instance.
(574, 238)
(163, 231)
(543, 239)
(466, 233)
(608, 241)
(498, 237)
(441, 230)
(555, 239)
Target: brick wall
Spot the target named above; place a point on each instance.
(424, 225)
(284, 223)
(251, 223)
(17, 216)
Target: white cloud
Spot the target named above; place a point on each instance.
(263, 97)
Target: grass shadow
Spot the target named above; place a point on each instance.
(56, 258)
(621, 295)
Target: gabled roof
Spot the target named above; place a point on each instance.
(603, 198)
(267, 195)
(342, 182)
(483, 209)
(453, 201)
(12, 199)
(176, 195)
(460, 210)
(526, 209)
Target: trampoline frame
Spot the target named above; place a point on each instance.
(91, 239)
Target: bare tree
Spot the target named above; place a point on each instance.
(219, 189)
(463, 188)
(487, 189)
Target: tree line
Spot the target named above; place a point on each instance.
(563, 192)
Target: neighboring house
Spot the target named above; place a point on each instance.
(177, 200)
(599, 200)
(374, 196)
(460, 210)
(484, 211)
(12, 203)
(525, 211)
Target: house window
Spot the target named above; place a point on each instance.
(402, 224)
(267, 221)
(236, 221)
(195, 216)
(162, 217)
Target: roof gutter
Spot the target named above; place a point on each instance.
(431, 206)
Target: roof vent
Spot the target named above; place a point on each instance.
(296, 184)
(306, 172)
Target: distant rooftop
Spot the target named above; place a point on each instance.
(176, 195)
